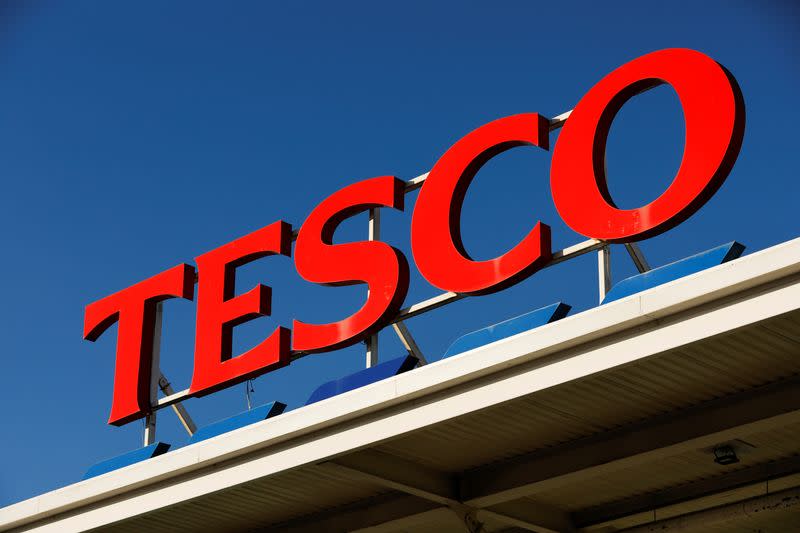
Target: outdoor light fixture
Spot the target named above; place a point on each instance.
(725, 455)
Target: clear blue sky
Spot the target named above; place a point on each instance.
(135, 136)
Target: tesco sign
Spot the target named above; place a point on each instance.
(714, 115)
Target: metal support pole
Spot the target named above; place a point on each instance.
(372, 350)
(638, 257)
(155, 375)
(604, 270)
(149, 429)
(408, 341)
(374, 235)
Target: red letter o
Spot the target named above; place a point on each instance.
(714, 114)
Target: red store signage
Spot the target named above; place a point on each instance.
(714, 116)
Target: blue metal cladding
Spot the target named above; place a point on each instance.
(256, 414)
(671, 272)
(508, 328)
(363, 377)
(126, 459)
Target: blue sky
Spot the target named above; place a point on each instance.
(137, 136)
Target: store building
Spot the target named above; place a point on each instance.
(674, 405)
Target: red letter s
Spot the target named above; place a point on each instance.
(383, 268)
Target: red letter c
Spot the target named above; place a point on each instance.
(435, 226)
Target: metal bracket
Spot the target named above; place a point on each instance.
(408, 341)
(183, 415)
(638, 257)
